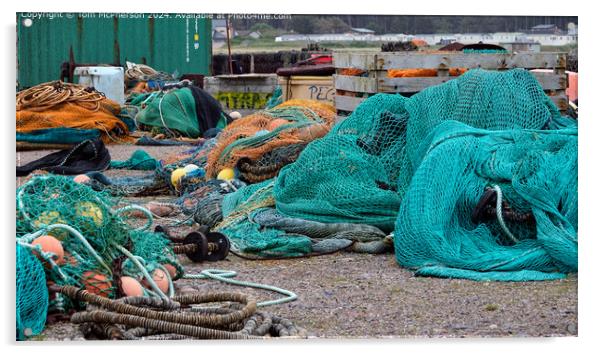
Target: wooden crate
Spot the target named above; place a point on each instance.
(352, 90)
(318, 88)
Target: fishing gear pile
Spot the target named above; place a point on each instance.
(476, 178)
(181, 317)
(178, 110)
(259, 145)
(83, 240)
(63, 113)
(247, 151)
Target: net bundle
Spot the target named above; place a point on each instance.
(260, 144)
(98, 245)
(419, 166)
(31, 295)
(178, 110)
(56, 106)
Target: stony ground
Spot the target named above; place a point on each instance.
(359, 295)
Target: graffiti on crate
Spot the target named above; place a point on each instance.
(243, 100)
(321, 93)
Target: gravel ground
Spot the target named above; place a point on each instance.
(367, 296)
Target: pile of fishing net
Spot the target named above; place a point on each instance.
(64, 113)
(259, 145)
(143, 73)
(83, 240)
(173, 175)
(178, 110)
(418, 167)
(78, 259)
(249, 150)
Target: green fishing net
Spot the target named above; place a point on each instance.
(93, 234)
(173, 111)
(140, 160)
(418, 166)
(31, 296)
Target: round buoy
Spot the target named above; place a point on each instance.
(90, 210)
(160, 278)
(131, 286)
(226, 174)
(176, 176)
(97, 283)
(171, 270)
(190, 167)
(52, 245)
(81, 179)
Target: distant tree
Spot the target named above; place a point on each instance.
(409, 24)
(303, 24)
(378, 27)
(330, 25)
(265, 29)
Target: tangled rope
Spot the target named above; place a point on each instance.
(50, 94)
(141, 72)
(178, 318)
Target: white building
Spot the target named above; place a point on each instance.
(545, 39)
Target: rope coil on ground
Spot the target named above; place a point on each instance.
(49, 94)
(175, 319)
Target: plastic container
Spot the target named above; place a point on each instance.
(106, 79)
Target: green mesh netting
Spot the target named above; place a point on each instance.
(419, 165)
(537, 172)
(276, 98)
(96, 239)
(140, 160)
(31, 296)
(172, 112)
(247, 236)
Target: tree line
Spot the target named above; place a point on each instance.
(410, 24)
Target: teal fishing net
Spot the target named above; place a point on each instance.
(140, 160)
(173, 111)
(418, 166)
(31, 296)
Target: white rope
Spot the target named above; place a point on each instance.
(498, 212)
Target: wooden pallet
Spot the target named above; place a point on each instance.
(352, 90)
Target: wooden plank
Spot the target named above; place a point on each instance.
(347, 103)
(246, 86)
(548, 81)
(365, 61)
(560, 100)
(410, 84)
(409, 60)
(355, 83)
(551, 81)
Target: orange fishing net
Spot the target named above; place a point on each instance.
(63, 105)
(351, 72)
(260, 141)
(422, 72)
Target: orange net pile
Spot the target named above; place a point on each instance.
(422, 72)
(63, 105)
(260, 144)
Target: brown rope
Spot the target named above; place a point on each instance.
(191, 248)
(106, 317)
(162, 326)
(179, 317)
(47, 95)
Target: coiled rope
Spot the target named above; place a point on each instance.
(50, 94)
(177, 318)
